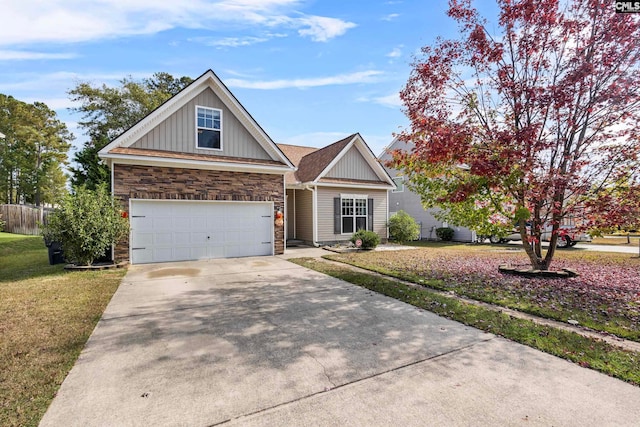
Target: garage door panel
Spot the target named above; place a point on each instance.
(163, 239)
(141, 239)
(164, 255)
(182, 237)
(184, 230)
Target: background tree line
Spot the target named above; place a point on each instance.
(35, 148)
(33, 152)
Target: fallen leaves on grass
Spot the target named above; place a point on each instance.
(606, 295)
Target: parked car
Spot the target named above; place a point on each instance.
(568, 236)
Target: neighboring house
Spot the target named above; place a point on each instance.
(335, 191)
(199, 178)
(401, 198)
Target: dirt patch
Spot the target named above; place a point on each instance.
(259, 264)
(166, 272)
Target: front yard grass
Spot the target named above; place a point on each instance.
(617, 241)
(587, 352)
(46, 317)
(605, 297)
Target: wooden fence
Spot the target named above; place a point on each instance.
(22, 219)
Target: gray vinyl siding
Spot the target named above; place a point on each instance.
(304, 216)
(352, 166)
(178, 132)
(410, 202)
(325, 212)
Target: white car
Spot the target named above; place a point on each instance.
(568, 236)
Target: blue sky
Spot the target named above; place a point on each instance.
(310, 72)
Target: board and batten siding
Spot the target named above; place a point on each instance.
(325, 212)
(304, 216)
(352, 166)
(178, 132)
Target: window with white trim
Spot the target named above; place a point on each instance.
(209, 128)
(399, 182)
(354, 214)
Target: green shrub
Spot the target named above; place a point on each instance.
(87, 223)
(369, 239)
(403, 228)
(1, 223)
(445, 233)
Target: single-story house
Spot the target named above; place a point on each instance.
(402, 198)
(199, 178)
(335, 191)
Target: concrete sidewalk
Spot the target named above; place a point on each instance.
(261, 341)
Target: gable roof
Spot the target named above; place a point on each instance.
(313, 163)
(207, 80)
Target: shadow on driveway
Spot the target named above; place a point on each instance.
(261, 341)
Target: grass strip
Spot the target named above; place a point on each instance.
(46, 316)
(587, 352)
(619, 326)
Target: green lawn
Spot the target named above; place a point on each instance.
(587, 352)
(46, 317)
(617, 241)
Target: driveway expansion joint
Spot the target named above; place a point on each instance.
(359, 380)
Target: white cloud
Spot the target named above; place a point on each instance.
(390, 17)
(396, 52)
(321, 29)
(62, 80)
(53, 103)
(391, 101)
(24, 55)
(340, 79)
(27, 22)
(236, 41)
(229, 41)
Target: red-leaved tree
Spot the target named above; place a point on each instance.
(536, 121)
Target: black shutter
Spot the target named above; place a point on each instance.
(337, 221)
(370, 213)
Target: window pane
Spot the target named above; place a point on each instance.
(399, 181)
(208, 138)
(347, 224)
(347, 206)
(361, 223)
(209, 118)
(361, 206)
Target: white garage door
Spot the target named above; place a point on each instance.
(164, 230)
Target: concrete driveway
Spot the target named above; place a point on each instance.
(261, 341)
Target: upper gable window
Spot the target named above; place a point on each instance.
(209, 128)
(399, 182)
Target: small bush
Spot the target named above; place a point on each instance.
(369, 239)
(403, 228)
(86, 223)
(445, 233)
(1, 223)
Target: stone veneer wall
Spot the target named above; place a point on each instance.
(151, 182)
